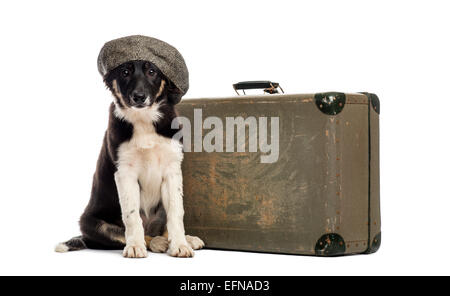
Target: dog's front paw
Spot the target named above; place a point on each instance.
(180, 250)
(135, 251)
(158, 244)
(195, 242)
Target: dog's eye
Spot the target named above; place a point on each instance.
(151, 72)
(125, 72)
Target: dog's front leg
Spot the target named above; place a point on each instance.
(129, 197)
(172, 197)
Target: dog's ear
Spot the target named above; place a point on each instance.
(173, 93)
(108, 79)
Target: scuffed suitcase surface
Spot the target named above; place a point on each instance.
(313, 200)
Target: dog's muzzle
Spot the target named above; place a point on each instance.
(139, 99)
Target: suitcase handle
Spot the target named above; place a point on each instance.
(268, 86)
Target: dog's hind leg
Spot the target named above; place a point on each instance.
(157, 244)
(155, 229)
(98, 234)
(160, 244)
(195, 242)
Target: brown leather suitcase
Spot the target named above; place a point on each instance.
(317, 195)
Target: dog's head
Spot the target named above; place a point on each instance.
(139, 84)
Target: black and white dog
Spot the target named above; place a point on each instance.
(137, 193)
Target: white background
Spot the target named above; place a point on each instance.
(54, 113)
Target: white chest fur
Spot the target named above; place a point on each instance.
(149, 170)
(148, 157)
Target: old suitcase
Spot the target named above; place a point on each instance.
(317, 195)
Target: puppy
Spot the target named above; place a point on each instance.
(137, 193)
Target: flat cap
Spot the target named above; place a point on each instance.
(137, 47)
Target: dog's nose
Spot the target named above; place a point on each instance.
(139, 97)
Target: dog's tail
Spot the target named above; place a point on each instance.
(74, 244)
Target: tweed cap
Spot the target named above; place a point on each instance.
(138, 47)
